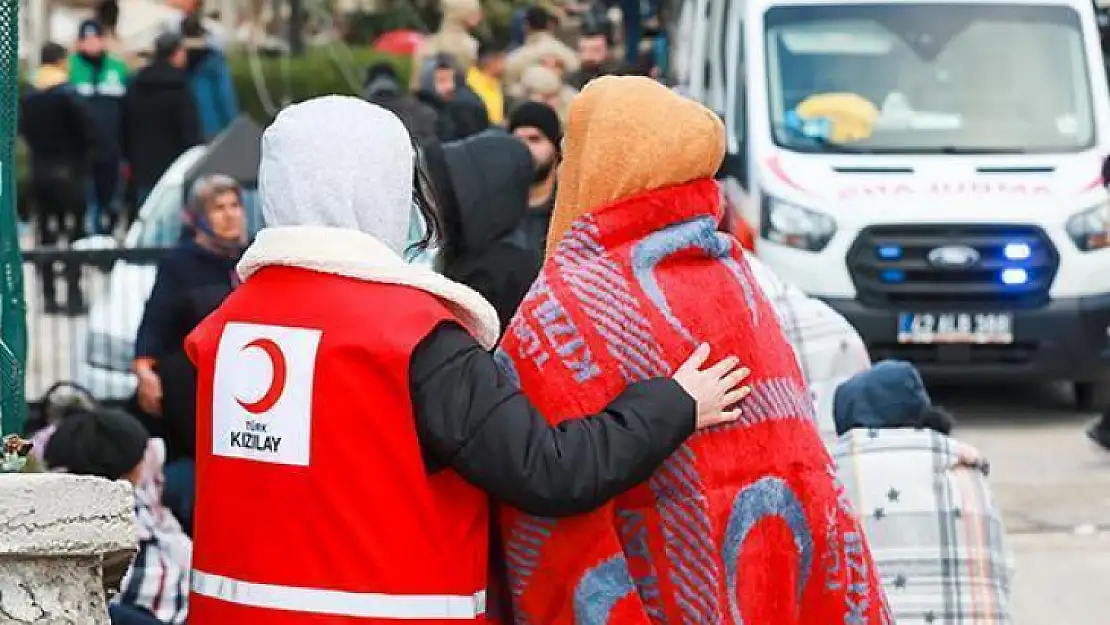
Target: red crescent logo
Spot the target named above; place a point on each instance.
(277, 384)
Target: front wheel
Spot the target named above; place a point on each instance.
(1092, 396)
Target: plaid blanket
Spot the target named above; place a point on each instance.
(828, 348)
(935, 533)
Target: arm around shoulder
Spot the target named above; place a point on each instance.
(470, 417)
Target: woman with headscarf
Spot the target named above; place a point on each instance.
(351, 423)
(743, 524)
(192, 281)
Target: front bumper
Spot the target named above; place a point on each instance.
(1068, 339)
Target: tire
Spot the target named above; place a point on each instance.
(1092, 396)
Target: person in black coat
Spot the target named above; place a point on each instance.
(461, 112)
(481, 186)
(192, 281)
(383, 87)
(63, 140)
(160, 118)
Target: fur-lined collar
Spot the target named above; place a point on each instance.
(357, 255)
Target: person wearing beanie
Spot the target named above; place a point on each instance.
(112, 444)
(906, 476)
(359, 389)
(101, 79)
(538, 127)
(481, 186)
(636, 265)
(160, 117)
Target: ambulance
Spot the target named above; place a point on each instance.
(931, 170)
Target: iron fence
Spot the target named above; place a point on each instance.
(83, 312)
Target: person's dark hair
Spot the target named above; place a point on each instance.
(489, 47)
(537, 19)
(936, 419)
(192, 27)
(166, 45)
(644, 65)
(107, 13)
(52, 53)
(381, 70)
(597, 30)
(426, 201)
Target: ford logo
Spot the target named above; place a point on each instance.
(953, 257)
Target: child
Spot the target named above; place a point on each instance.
(114, 445)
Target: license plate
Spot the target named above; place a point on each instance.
(970, 328)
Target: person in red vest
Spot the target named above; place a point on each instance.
(351, 424)
(745, 523)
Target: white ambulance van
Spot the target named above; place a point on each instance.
(930, 169)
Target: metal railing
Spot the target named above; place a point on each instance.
(83, 310)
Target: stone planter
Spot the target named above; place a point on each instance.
(56, 531)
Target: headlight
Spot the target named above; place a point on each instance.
(1090, 230)
(109, 352)
(794, 226)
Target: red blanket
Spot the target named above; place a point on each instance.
(745, 523)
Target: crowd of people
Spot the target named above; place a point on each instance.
(454, 273)
(101, 132)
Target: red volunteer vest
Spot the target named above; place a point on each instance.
(313, 503)
(745, 523)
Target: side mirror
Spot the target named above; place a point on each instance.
(735, 166)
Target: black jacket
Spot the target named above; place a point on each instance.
(59, 129)
(160, 121)
(472, 418)
(419, 118)
(482, 185)
(465, 115)
(191, 283)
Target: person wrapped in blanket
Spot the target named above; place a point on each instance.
(112, 444)
(923, 496)
(742, 524)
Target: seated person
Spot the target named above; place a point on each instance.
(935, 532)
(113, 445)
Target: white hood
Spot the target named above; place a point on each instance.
(336, 189)
(338, 162)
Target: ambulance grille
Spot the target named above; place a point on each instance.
(1012, 266)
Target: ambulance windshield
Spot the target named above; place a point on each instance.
(928, 78)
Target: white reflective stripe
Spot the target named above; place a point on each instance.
(335, 602)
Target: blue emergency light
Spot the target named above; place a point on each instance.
(1017, 251)
(889, 252)
(1014, 276)
(892, 275)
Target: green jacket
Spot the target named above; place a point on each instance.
(102, 90)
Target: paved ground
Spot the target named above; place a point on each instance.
(1054, 488)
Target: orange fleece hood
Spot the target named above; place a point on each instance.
(627, 135)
